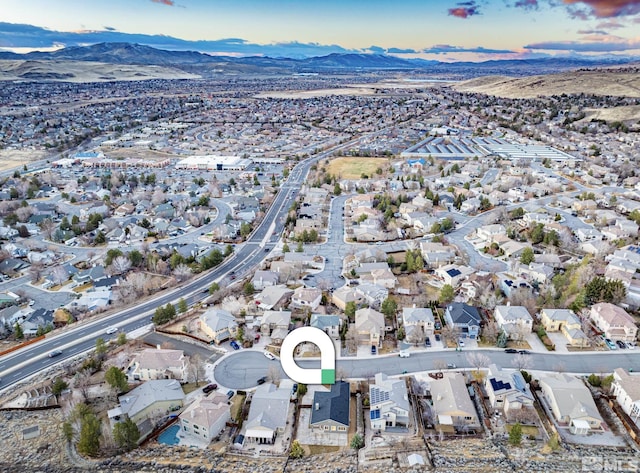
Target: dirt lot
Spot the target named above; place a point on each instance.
(11, 158)
(353, 168)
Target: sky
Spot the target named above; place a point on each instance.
(445, 30)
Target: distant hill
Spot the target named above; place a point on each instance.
(622, 81)
(205, 64)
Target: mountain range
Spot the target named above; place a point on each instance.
(205, 65)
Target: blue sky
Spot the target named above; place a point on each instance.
(440, 29)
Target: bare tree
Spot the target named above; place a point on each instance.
(182, 272)
(478, 361)
(35, 271)
(416, 335)
(158, 197)
(119, 265)
(23, 213)
(81, 382)
(59, 275)
(490, 332)
(48, 228)
(197, 368)
(521, 362)
(524, 297)
(450, 333)
(274, 374)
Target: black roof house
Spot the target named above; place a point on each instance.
(332, 405)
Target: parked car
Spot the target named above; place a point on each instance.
(524, 352)
(451, 366)
(621, 344)
(373, 349)
(510, 350)
(234, 345)
(209, 387)
(404, 354)
(55, 353)
(262, 380)
(427, 342)
(437, 325)
(269, 355)
(437, 337)
(294, 389)
(610, 344)
(230, 394)
(460, 343)
(630, 346)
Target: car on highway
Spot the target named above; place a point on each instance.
(234, 345)
(510, 350)
(451, 366)
(111, 330)
(404, 354)
(262, 380)
(54, 353)
(269, 355)
(209, 387)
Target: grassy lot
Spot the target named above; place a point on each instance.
(236, 406)
(84, 287)
(190, 387)
(527, 430)
(319, 449)
(353, 168)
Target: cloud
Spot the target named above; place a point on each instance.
(585, 9)
(465, 10)
(169, 3)
(610, 25)
(527, 4)
(614, 44)
(447, 48)
(401, 51)
(377, 49)
(109, 28)
(592, 32)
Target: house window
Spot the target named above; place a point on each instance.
(333, 428)
(326, 427)
(468, 418)
(342, 429)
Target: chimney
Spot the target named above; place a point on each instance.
(317, 406)
(508, 303)
(158, 347)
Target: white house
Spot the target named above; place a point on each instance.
(515, 320)
(507, 390)
(389, 403)
(626, 389)
(206, 417)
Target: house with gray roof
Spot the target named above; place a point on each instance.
(507, 390)
(419, 320)
(218, 324)
(330, 410)
(465, 318)
(268, 413)
(147, 403)
(452, 406)
(329, 324)
(389, 404)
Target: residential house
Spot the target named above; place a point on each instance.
(206, 417)
(453, 274)
(389, 404)
(507, 390)
(330, 324)
(464, 318)
(380, 277)
(218, 324)
(159, 363)
(369, 326)
(588, 234)
(306, 297)
(330, 410)
(268, 414)
(514, 320)
(343, 295)
(148, 403)
(614, 321)
(626, 389)
(567, 322)
(418, 322)
(436, 254)
(273, 297)
(262, 279)
(452, 407)
(571, 403)
(275, 323)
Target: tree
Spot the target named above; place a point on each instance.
(296, 450)
(515, 434)
(285, 248)
(336, 189)
(59, 385)
(101, 348)
(527, 257)
(17, 331)
(136, 258)
(59, 275)
(521, 362)
(389, 307)
(248, 288)
(116, 378)
(90, 432)
(350, 310)
(299, 248)
(197, 368)
(446, 294)
(122, 338)
(357, 442)
(120, 265)
(182, 306)
(126, 434)
(213, 288)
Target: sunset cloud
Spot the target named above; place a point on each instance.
(527, 4)
(603, 8)
(169, 3)
(612, 44)
(464, 10)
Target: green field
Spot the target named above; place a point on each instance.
(353, 168)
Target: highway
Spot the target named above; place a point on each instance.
(23, 363)
(241, 370)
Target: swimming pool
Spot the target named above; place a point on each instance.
(170, 435)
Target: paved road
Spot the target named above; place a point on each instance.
(241, 370)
